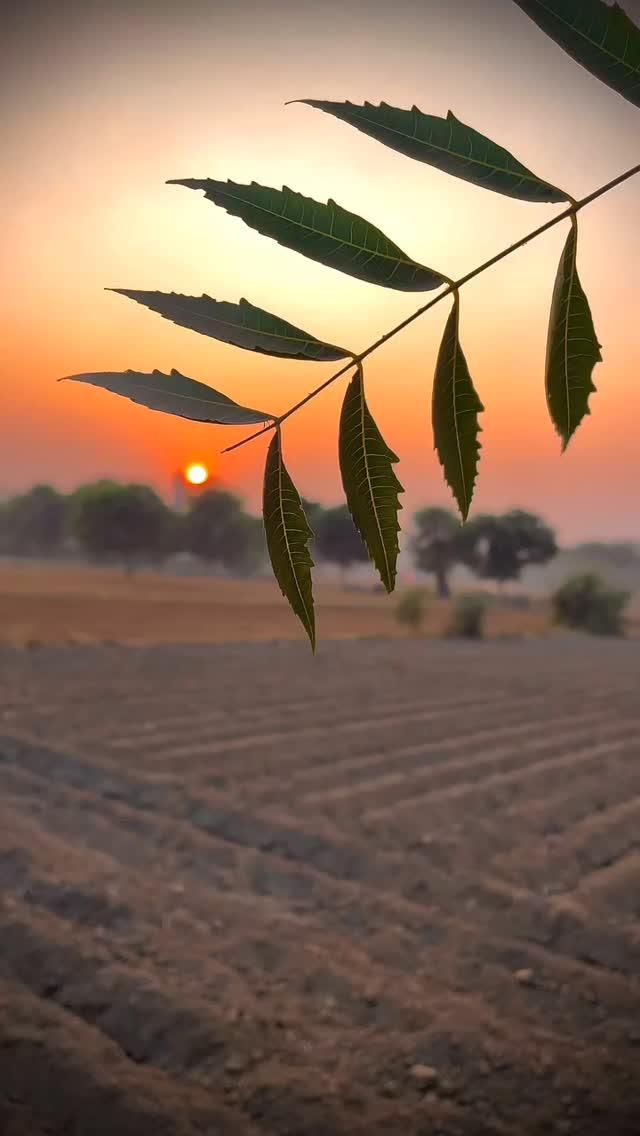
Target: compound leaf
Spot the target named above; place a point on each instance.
(601, 37)
(370, 484)
(572, 346)
(174, 394)
(288, 534)
(446, 143)
(327, 233)
(455, 409)
(242, 325)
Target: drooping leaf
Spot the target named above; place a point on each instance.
(455, 409)
(242, 325)
(288, 535)
(601, 37)
(370, 484)
(446, 143)
(572, 346)
(327, 233)
(174, 394)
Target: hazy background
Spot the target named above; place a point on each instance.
(103, 103)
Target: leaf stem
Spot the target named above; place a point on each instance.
(356, 360)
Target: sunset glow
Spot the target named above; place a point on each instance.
(196, 473)
(134, 94)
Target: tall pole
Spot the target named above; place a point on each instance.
(179, 494)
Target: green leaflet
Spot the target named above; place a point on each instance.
(242, 325)
(370, 484)
(572, 346)
(327, 233)
(455, 409)
(288, 535)
(599, 36)
(446, 143)
(174, 394)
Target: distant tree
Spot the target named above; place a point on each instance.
(499, 547)
(218, 530)
(434, 546)
(174, 537)
(4, 534)
(249, 552)
(34, 523)
(337, 539)
(128, 523)
(313, 512)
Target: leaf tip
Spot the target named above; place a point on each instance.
(188, 183)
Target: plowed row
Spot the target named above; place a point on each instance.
(392, 889)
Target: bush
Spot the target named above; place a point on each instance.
(585, 603)
(467, 618)
(411, 609)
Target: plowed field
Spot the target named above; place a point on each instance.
(393, 889)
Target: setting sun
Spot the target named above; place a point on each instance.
(196, 473)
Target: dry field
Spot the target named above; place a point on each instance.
(392, 889)
(58, 604)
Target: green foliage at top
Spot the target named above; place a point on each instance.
(446, 143)
(370, 484)
(324, 232)
(601, 37)
(586, 603)
(242, 325)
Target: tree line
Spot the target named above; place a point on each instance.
(131, 525)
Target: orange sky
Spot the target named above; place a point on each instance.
(102, 108)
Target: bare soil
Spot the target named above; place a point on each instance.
(393, 889)
(58, 603)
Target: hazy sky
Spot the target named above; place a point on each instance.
(103, 102)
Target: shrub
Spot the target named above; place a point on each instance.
(585, 603)
(411, 608)
(467, 617)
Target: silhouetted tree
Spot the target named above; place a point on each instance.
(435, 545)
(499, 547)
(35, 522)
(218, 530)
(337, 539)
(313, 512)
(129, 523)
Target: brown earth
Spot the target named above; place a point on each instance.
(394, 888)
(61, 603)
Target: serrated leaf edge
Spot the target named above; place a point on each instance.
(275, 446)
(574, 280)
(468, 494)
(388, 576)
(527, 176)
